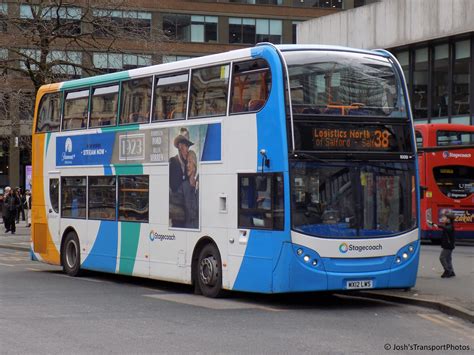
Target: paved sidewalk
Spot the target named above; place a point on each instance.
(453, 296)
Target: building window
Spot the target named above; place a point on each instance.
(190, 28)
(242, 30)
(174, 58)
(73, 197)
(440, 75)
(461, 74)
(113, 22)
(104, 106)
(269, 31)
(3, 54)
(111, 62)
(26, 106)
(171, 94)
(136, 101)
(258, 2)
(133, 198)
(338, 4)
(420, 84)
(102, 198)
(66, 19)
(30, 59)
(209, 91)
(294, 25)
(404, 60)
(3, 17)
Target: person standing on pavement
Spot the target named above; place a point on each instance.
(5, 209)
(27, 207)
(21, 208)
(447, 243)
(13, 203)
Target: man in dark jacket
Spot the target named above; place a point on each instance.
(12, 202)
(447, 243)
(6, 221)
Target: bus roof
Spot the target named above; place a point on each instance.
(194, 62)
(444, 127)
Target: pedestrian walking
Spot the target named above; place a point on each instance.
(13, 203)
(21, 208)
(447, 243)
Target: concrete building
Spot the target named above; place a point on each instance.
(432, 39)
(192, 27)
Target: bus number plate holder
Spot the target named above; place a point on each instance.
(359, 284)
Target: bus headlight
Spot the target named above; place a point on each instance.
(411, 248)
(299, 251)
(405, 256)
(315, 262)
(398, 260)
(306, 258)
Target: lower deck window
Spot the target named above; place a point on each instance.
(133, 198)
(73, 197)
(102, 197)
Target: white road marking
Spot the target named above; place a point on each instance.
(210, 303)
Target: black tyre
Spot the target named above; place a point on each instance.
(209, 271)
(71, 255)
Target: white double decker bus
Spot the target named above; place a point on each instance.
(269, 169)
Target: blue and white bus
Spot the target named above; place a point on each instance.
(268, 169)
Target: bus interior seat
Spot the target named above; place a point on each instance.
(311, 110)
(256, 104)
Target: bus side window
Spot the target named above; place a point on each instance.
(251, 84)
(76, 106)
(209, 91)
(419, 139)
(170, 97)
(54, 194)
(133, 198)
(261, 201)
(104, 106)
(136, 101)
(49, 116)
(73, 197)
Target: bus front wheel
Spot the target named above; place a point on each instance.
(71, 254)
(209, 271)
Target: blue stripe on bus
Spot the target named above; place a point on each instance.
(103, 255)
(264, 247)
(212, 145)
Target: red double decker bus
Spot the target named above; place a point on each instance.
(446, 164)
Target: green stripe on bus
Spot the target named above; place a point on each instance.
(124, 169)
(129, 246)
(48, 137)
(95, 80)
(129, 127)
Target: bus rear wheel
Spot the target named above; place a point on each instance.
(209, 271)
(71, 255)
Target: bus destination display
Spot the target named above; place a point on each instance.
(351, 138)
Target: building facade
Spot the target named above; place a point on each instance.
(433, 41)
(184, 29)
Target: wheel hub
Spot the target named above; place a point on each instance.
(208, 271)
(71, 254)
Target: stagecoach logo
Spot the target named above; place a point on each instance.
(161, 237)
(447, 155)
(344, 248)
(68, 150)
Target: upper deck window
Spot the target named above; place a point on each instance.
(49, 113)
(344, 84)
(136, 101)
(209, 91)
(76, 107)
(104, 106)
(251, 84)
(171, 94)
(444, 138)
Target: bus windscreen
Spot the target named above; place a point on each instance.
(344, 83)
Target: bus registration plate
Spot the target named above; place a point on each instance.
(351, 285)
